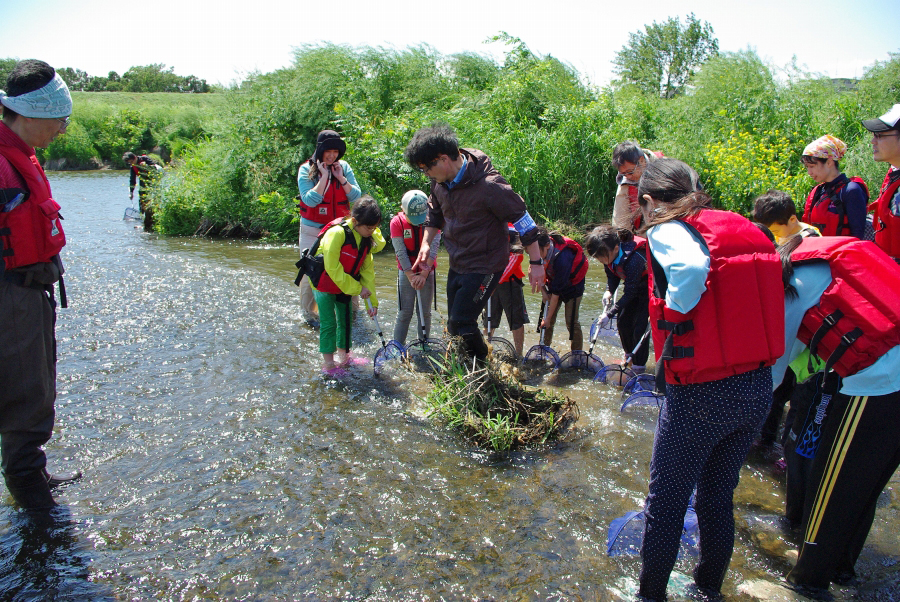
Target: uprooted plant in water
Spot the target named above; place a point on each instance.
(493, 409)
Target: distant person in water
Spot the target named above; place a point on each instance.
(144, 169)
(36, 109)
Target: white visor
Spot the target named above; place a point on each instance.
(51, 101)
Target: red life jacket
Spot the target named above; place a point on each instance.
(887, 225)
(513, 268)
(412, 239)
(32, 231)
(579, 264)
(640, 247)
(738, 324)
(857, 319)
(816, 212)
(352, 256)
(334, 205)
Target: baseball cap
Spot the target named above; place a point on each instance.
(415, 205)
(888, 121)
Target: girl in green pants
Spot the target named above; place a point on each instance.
(346, 247)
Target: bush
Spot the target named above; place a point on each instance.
(75, 146)
(746, 165)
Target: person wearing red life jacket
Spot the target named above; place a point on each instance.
(509, 297)
(624, 258)
(327, 188)
(886, 147)
(36, 109)
(716, 313)
(629, 161)
(346, 247)
(837, 204)
(407, 231)
(843, 305)
(566, 267)
(144, 169)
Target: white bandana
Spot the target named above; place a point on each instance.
(51, 101)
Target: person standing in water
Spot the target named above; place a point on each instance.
(36, 109)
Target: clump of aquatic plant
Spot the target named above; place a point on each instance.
(494, 410)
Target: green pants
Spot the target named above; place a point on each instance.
(334, 322)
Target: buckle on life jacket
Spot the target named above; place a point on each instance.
(828, 322)
(678, 328)
(847, 339)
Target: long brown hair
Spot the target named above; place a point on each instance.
(676, 186)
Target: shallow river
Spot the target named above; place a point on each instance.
(219, 464)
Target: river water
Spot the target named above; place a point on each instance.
(219, 464)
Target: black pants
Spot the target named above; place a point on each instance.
(632, 325)
(467, 296)
(858, 453)
(779, 399)
(27, 377)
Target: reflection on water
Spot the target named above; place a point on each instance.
(219, 464)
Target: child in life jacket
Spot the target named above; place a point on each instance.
(624, 258)
(346, 247)
(509, 297)
(407, 230)
(565, 266)
(776, 211)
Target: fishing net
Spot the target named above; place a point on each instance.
(502, 350)
(641, 391)
(580, 360)
(605, 330)
(617, 375)
(425, 355)
(388, 356)
(626, 534)
(541, 357)
(132, 213)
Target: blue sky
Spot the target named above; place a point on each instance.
(222, 41)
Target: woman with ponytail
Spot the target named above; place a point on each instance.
(716, 311)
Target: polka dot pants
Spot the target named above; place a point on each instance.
(702, 438)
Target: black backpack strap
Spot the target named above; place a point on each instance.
(364, 246)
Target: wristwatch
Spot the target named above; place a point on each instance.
(536, 262)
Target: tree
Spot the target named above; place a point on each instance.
(662, 59)
(6, 67)
(76, 79)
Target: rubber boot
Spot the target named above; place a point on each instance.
(31, 492)
(60, 478)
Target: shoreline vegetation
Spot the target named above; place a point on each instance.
(233, 156)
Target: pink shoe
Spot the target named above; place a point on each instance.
(353, 361)
(336, 372)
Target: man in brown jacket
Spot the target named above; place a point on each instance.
(471, 204)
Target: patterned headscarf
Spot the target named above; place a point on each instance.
(51, 101)
(826, 147)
